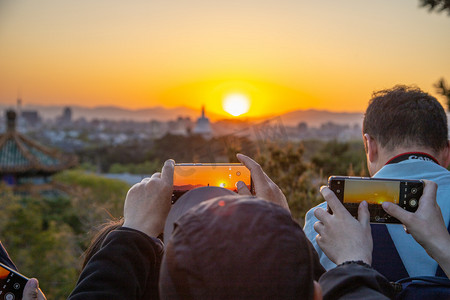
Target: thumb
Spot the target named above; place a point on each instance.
(242, 189)
(396, 211)
(30, 290)
(364, 215)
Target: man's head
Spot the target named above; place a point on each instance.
(404, 119)
(238, 247)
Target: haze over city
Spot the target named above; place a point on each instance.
(263, 57)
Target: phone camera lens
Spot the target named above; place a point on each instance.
(238, 173)
(413, 190)
(413, 202)
(338, 191)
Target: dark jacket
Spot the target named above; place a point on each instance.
(355, 281)
(126, 267)
(5, 259)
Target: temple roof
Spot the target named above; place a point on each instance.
(20, 154)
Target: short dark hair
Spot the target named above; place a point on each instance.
(406, 116)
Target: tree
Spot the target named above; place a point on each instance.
(442, 89)
(337, 158)
(285, 165)
(436, 5)
(46, 235)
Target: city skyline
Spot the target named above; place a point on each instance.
(283, 56)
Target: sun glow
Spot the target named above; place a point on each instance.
(236, 104)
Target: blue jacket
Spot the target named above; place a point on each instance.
(416, 261)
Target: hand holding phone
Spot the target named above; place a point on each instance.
(264, 187)
(12, 283)
(353, 190)
(341, 236)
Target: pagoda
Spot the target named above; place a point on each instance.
(203, 126)
(27, 165)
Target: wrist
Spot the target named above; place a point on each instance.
(151, 230)
(438, 250)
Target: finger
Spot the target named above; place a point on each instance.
(167, 171)
(256, 171)
(363, 214)
(334, 203)
(30, 290)
(396, 211)
(321, 214)
(242, 189)
(319, 227)
(155, 175)
(145, 180)
(429, 193)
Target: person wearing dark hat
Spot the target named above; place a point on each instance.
(239, 247)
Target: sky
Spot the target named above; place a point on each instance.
(282, 55)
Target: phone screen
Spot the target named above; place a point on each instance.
(11, 284)
(374, 192)
(189, 176)
(351, 191)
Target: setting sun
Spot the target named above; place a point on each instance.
(236, 104)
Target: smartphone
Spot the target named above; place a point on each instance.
(12, 283)
(188, 176)
(351, 191)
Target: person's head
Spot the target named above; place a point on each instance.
(238, 247)
(404, 119)
(98, 238)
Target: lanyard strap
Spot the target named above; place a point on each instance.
(412, 155)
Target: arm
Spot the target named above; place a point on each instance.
(5, 259)
(127, 264)
(348, 243)
(126, 267)
(426, 225)
(355, 281)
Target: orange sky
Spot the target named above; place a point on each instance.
(284, 55)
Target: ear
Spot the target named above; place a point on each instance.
(371, 146)
(317, 291)
(446, 156)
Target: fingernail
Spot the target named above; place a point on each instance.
(385, 204)
(169, 161)
(364, 203)
(322, 188)
(34, 283)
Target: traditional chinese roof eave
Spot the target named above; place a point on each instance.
(34, 166)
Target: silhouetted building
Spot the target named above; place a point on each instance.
(31, 118)
(66, 117)
(182, 126)
(26, 164)
(203, 126)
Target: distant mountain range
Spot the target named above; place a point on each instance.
(313, 118)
